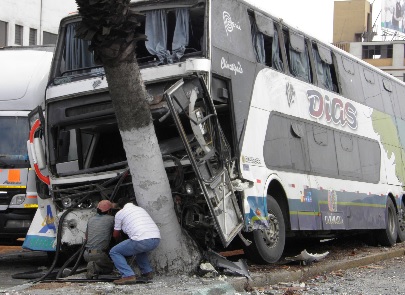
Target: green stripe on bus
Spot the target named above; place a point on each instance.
(355, 204)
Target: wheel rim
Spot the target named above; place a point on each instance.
(271, 234)
(391, 221)
(401, 219)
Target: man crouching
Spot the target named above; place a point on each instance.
(98, 235)
(144, 236)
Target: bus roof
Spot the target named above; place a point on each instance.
(23, 76)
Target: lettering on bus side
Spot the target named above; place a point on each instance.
(334, 110)
(229, 24)
(232, 67)
(333, 219)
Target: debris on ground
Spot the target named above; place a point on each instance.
(236, 268)
(305, 258)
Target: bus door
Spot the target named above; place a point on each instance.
(195, 117)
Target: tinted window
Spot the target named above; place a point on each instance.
(322, 154)
(347, 150)
(297, 55)
(370, 161)
(349, 78)
(285, 143)
(324, 68)
(294, 145)
(371, 88)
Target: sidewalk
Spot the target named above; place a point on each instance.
(262, 276)
(301, 273)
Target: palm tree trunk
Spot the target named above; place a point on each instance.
(177, 252)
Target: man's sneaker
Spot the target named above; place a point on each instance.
(147, 276)
(126, 281)
(91, 271)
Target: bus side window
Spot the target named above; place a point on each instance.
(297, 55)
(265, 41)
(325, 70)
(372, 90)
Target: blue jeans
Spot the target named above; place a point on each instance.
(130, 248)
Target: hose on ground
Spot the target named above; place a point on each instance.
(58, 239)
(78, 254)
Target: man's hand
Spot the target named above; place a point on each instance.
(117, 235)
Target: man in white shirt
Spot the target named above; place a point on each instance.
(144, 236)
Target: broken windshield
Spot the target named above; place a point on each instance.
(13, 143)
(173, 35)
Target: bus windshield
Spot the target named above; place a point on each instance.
(174, 33)
(13, 144)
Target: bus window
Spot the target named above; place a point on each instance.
(265, 42)
(172, 33)
(349, 78)
(297, 55)
(347, 151)
(285, 144)
(325, 70)
(76, 57)
(370, 161)
(400, 94)
(388, 97)
(322, 152)
(372, 92)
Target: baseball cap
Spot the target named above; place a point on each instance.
(104, 205)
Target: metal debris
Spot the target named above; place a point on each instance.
(306, 257)
(237, 268)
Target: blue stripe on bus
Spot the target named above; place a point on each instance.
(39, 243)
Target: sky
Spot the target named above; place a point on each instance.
(314, 17)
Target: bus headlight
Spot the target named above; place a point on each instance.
(17, 200)
(189, 189)
(66, 202)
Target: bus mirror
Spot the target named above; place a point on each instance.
(39, 153)
(30, 154)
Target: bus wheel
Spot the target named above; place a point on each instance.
(388, 236)
(401, 223)
(268, 245)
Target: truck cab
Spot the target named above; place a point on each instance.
(23, 79)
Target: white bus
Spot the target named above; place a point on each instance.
(23, 77)
(265, 130)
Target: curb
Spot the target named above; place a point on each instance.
(275, 277)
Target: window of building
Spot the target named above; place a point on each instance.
(377, 51)
(3, 34)
(33, 37)
(18, 40)
(49, 38)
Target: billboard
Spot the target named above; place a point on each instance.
(393, 15)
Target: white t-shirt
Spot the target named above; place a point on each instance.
(136, 223)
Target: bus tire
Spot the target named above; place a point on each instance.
(388, 236)
(268, 245)
(401, 223)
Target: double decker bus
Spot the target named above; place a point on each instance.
(265, 131)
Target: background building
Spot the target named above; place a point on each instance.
(379, 42)
(352, 21)
(32, 22)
